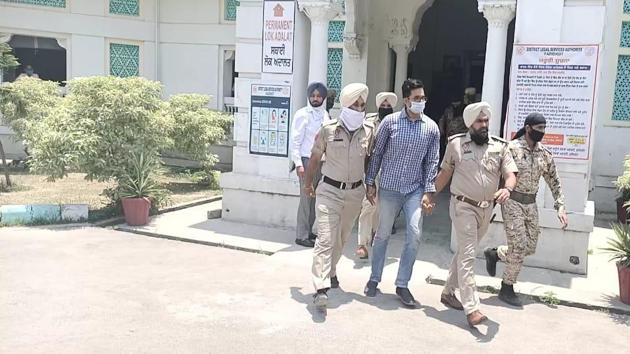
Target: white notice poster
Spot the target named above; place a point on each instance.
(559, 82)
(278, 30)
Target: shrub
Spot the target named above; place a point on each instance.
(196, 127)
(100, 121)
(95, 128)
(27, 101)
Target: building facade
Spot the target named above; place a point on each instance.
(201, 46)
(188, 45)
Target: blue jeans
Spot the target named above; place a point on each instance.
(390, 203)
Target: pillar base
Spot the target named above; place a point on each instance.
(561, 250)
(253, 199)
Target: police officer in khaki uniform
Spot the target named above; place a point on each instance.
(520, 212)
(346, 143)
(476, 162)
(368, 219)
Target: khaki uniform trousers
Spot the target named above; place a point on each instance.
(471, 224)
(521, 231)
(368, 222)
(337, 211)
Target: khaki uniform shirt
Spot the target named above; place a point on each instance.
(532, 164)
(373, 118)
(477, 169)
(346, 153)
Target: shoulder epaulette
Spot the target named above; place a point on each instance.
(546, 149)
(330, 122)
(456, 136)
(369, 123)
(371, 115)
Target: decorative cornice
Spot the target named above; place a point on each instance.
(498, 13)
(399, 35)
(320, 11)
(352, 43)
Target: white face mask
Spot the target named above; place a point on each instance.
(417, 107)
(351, 119)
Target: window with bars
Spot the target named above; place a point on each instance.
(335, 69)
(124, 7)
(124, 60)
(229, 10)
(625, 34)
(621, 105)
(49, 3)
(335, 31)
(621, 101)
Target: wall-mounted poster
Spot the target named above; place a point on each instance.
(269, 126)
(559, 82)
(278, 30)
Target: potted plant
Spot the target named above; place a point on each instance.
(620, 250)
(623, 186)
(138, 190)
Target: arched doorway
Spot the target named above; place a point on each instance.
(450, 54)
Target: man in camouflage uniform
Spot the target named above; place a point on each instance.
(368, 220)
(452, 120)
(520, 212)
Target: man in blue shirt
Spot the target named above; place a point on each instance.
(406, 153)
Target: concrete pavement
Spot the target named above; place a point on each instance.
(598, 289)
(101, 291)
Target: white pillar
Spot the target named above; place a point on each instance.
(402, 61)
(498, 14)
(320, 13)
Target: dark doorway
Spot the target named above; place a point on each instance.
(450, 53)
(44, 55)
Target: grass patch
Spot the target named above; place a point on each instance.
(550, 299)
(34, 189)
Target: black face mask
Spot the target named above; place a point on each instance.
(382, 112)
(535, 135)
(480, 137)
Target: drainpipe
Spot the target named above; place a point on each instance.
(157, 40)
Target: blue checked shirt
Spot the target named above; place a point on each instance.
(406, 153)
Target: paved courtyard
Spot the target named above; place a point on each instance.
(103, 291)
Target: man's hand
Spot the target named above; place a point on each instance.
(300, 172)
(427, 203)
(370, 194)
(309, 190)
(502, 195)
(564, 219)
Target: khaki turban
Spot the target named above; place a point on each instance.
(386, 96)
(351, 93)
(472, 111)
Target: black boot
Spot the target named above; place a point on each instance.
(334, 282)
(305, 242)
(508, 296)
(492, 257)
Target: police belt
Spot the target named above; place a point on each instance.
(523, 198)
(482, 204)
(342, 185)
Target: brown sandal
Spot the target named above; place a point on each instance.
(362, 252)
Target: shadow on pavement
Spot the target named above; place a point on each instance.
(618, 318)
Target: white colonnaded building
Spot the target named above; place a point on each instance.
(569, 59)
